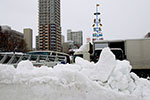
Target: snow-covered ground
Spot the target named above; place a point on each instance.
(108, 79)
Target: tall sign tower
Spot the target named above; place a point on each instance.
(97, 34)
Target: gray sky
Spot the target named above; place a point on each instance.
(121, 19)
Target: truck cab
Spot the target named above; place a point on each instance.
(84, 52)
(116, 51)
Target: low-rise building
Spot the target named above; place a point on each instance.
(11, 40)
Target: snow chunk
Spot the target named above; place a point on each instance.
(84, 47)
(6, 73)
(105, 66)
(83, 63)
(25, 65)
(24, 72)
(120, 79)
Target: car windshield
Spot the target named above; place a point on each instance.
(118, 54)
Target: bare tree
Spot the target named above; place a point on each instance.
(11, 43)
(147, 35)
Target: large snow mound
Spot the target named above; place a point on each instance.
(108, 79)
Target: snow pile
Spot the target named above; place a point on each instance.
(83, 48)
(108, 79)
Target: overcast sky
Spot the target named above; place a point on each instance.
(121, 19)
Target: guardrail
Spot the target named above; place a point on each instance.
(37, 60)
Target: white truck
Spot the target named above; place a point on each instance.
(83, 52)
(137, 51)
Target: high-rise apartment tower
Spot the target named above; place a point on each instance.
(49, 25)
